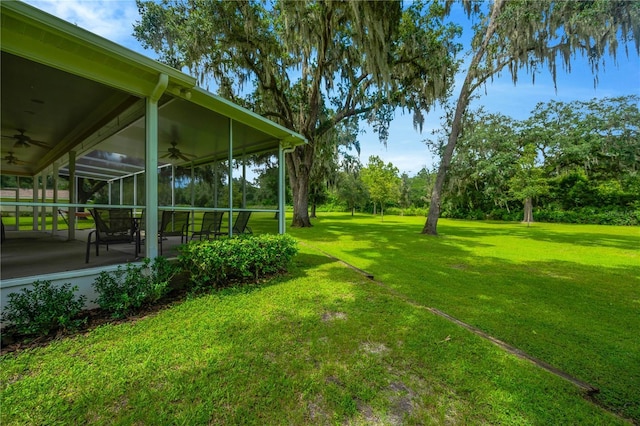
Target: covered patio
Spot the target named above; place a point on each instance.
(77, 107)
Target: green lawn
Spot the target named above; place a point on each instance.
(567, 294)
(261, 221)
(324, 345)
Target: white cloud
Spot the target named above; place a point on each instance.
(111, 19)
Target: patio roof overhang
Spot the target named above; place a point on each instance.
(70, 90)
(73, 102)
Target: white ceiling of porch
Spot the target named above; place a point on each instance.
(67, 112)
(64, 89)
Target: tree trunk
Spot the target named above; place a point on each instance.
(94, 186)
(299, 163)
(430, 227)
(353, 209)
(300, 190)
(313, 210)
(374, 209)
(528, 211)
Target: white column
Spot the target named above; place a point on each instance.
(34, 197)
(54, 210)
(215, 184)
(173, 185)
(151, 166)
(244, 182)
(193, 196)
(230, 177)
(135, 189)
(43, 198)
(281, 189)
(73, 195)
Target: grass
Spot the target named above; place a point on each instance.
(26, 223)
(567, 294)
(323, 345)
(262, 221)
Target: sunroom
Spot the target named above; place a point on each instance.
(95, 125)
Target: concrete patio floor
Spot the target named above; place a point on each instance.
(29, 253)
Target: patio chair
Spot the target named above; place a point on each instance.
(211, 223)
(241, 227)
(113, 226)
(174, 223)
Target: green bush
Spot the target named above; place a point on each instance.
(43, 309)
(213, 263)
(409, 211)
(589, 215)
(128, 289)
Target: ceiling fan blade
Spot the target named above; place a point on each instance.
(39, 143)
(24, 141)
(184, 157)
(13, 160)
(166, 155)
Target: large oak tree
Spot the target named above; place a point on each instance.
(292, 61)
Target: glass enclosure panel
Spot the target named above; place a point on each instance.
(164, 186)
(115, 192)
(127, 190)
(141, 190)
(256, 188)
(261, 189)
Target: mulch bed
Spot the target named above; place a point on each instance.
(94, 318)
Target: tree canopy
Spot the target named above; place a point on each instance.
(309, 65)
(382, 182)
(575, 160)
(529, 36)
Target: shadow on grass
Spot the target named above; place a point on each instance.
(630, 241)
(576, 316)
(284, 358)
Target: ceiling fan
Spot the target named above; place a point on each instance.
(174, 153)
(24, 141)
(13, 160)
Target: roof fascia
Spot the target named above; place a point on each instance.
(242, 115)
(38, 36)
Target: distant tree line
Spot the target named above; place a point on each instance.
(576, 162)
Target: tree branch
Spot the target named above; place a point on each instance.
(341, 115)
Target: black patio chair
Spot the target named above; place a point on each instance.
(113, 226)
(211, 223)
(241, 225)
(174, 223)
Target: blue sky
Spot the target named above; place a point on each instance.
(114, 19)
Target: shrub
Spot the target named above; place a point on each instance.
(43, 309)
(126, 290)
(409, 211)
(589, 215)
(216, 262)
